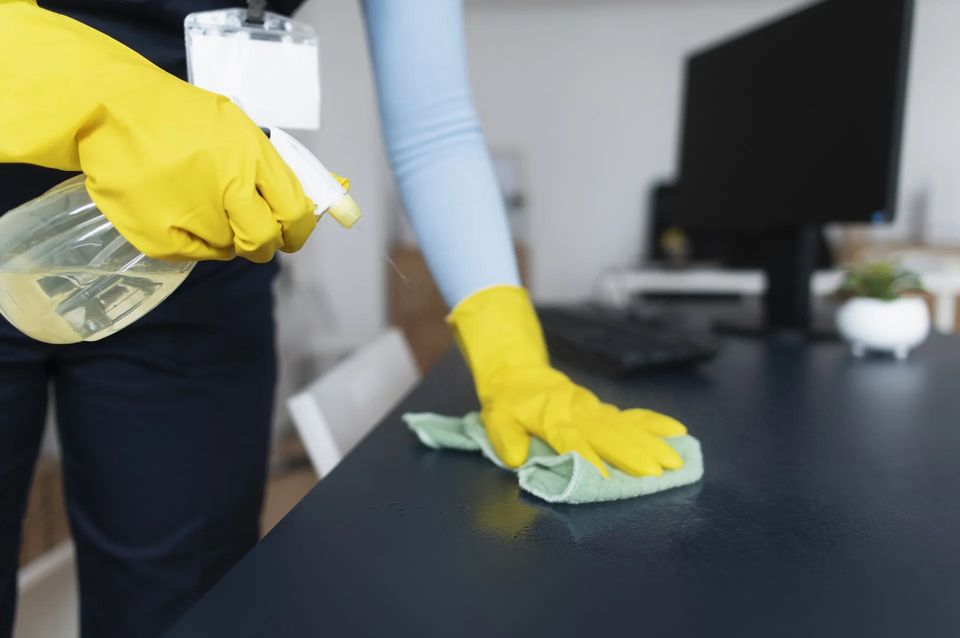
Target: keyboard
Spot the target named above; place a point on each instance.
(620, 342)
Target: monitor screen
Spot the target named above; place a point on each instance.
(798, 121)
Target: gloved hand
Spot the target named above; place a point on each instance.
(181, 172)
(521, 395)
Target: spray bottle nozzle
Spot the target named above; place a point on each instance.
(328, 191)
(345, 211)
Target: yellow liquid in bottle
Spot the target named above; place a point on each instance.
(74, 304)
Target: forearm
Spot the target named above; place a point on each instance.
(436, 146)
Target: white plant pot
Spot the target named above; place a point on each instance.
(895, 326)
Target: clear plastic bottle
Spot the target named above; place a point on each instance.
(67, 275)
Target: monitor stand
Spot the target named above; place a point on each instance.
(791, 259)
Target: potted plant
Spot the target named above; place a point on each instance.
(883, 309)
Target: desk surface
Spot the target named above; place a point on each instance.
(829, 507)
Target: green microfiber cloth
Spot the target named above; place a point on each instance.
(563, 478)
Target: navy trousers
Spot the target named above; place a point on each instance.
(164, 429)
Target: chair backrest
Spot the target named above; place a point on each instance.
(336, 411)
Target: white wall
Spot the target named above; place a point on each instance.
(344, 270)
(589, 93)
(930, 177)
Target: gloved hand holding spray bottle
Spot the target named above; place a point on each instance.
(68, 275)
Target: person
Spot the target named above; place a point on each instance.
(164, 426)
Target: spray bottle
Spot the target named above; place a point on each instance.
(67, 275)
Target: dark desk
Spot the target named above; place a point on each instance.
(829, 508)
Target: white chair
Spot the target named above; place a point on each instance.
(336, 411)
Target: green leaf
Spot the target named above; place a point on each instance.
(880, 280)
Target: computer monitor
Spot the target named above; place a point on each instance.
(731, 249)
(793, 125)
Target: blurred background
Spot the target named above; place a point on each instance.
(581, 105)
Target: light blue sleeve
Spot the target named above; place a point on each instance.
(435, 144)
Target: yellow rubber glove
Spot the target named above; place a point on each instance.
(181, 172)
(521, 395)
